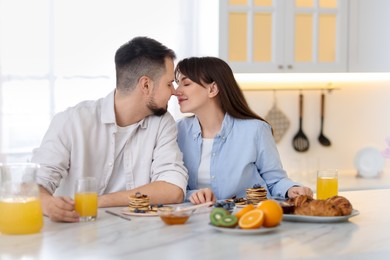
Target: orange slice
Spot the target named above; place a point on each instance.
(252, 219)
(244, 210)
(273, 212)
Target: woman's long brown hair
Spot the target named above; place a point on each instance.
(206, 70)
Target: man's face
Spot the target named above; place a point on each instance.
(163, 89)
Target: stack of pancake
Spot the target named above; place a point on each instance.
(139, 202)
(256, 194)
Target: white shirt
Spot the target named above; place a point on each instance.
(81, 142)
(118, 180)
(204, 166)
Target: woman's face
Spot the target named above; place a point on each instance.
(192, 97)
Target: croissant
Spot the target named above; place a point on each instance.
(335, 206)
(318, 208)
(342, 203)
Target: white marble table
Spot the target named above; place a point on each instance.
(366, 236)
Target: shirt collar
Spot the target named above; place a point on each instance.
(108, 111)
(227, 125)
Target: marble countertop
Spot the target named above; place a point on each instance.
(109, 237)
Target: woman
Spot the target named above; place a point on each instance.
(227, 148)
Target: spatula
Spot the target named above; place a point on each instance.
(300, 141)
(322, 138)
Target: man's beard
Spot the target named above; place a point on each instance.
(157, 111)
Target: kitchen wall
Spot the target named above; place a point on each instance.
(356, 116)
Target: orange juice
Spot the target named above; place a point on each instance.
(20, 216)
(326, 187)
(86, 204)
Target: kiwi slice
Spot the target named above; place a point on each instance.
(228, 221)
(217, 214)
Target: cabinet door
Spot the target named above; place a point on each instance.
(316, 38)
(251, 35)
(284, 36)
(369, 37)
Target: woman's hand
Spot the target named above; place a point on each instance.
(298, 190)
(202, 196)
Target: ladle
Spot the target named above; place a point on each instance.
(300, 141)
(322, 138)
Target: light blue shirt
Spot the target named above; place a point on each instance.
(244, 153)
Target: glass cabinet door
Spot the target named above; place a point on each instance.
(284, 35)
(252, 38)
(317, 39)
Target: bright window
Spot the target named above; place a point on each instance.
(56, 53)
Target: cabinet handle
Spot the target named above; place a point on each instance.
(280, 67)
(289, 67)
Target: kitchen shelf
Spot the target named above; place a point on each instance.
(330, 89)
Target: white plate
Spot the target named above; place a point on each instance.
(317, 219)
(239, 231)
(126, 211)
(369, 162)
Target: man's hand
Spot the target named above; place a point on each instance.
(202, 196)
(58, 209)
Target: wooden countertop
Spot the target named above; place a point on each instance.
(362, 237)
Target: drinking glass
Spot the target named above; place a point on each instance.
(20, 204)
(327, 183)
(86, 199)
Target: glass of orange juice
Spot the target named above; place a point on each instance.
(327, 183)
(20, 204)
(86, 199)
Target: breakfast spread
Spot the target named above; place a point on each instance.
(334, 206)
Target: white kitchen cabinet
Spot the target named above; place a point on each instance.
(369, 44)
(284, 35)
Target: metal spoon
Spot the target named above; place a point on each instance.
(300, 141)
(322, 138)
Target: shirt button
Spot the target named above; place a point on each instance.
(110, 164)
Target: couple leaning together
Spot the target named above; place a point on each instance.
(130, 143)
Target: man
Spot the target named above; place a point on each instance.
(126, 140)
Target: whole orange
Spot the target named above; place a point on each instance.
(244, 210)
(273, 212)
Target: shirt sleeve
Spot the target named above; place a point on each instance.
(53, 154)
(270, 165)
(167, 158)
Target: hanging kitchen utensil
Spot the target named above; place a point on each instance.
(278, 120)
(300, 141)
(322, 138)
